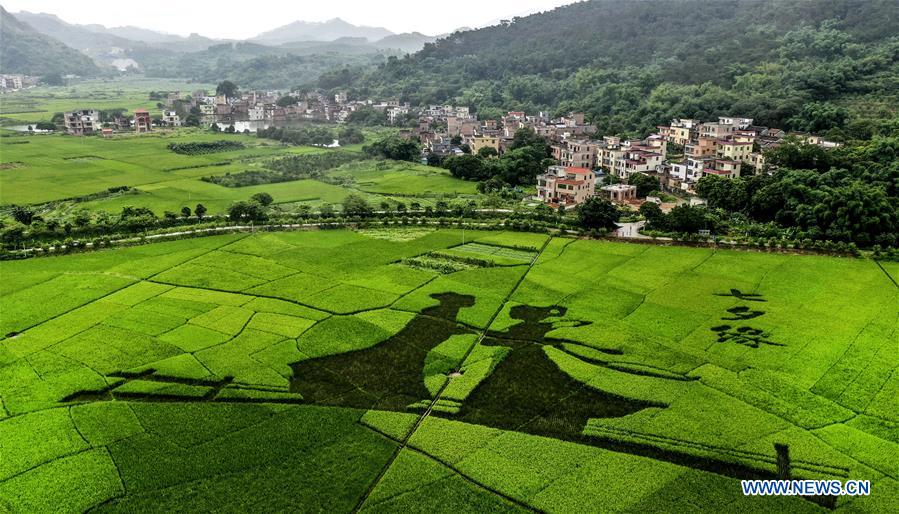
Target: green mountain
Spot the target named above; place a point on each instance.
(631, 65)
(259, 66)
(319, 31)
(79, 37)
(25, 50)
(408, 42)
(120, 47)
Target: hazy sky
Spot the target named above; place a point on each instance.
(244, 19)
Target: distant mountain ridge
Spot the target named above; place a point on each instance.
(23, 49)
(143, 49)
(330, 30)
(137, 33)
(408, 42)
(97, 40)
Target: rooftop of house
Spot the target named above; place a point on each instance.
(618, 187)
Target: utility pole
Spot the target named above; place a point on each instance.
(784, 470)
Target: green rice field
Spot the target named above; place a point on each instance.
(323, 371)
(38, 169)
(40, 103)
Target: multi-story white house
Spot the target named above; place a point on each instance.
(171, 119)
(82, 123)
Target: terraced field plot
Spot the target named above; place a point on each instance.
(315, 371)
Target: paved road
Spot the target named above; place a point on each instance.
(631, 230)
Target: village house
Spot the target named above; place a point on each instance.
(619, 193)
(207, 113)
(485, 142)
(723, 168)
(623, 158)
(142, 122)
(172, 98)
(256, 112)
(82, 123)
(565, 186)
(396, 112)
(715, 130)
(745, 136)
(12, 82)
(459, 126)
(700, 148)
(222, 114)
(680, 132)
(733, 150)
(576, 153)
(171, 119)
(757, 161)
(121, 123)
(811, 139)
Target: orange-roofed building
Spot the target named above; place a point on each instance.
(142, 122)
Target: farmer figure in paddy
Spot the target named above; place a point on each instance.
(389, 375)
(527, 391)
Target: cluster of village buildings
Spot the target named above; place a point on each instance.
(254, 110)
(726, 148)
(678, 154)
(86, 122)
(247, 112)
(14, 82)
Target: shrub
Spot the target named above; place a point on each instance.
(198, 148)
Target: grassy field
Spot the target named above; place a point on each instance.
(40, 103)
(318, 371)
(45, 168)
(403, 179)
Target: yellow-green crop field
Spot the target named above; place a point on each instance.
(394, 370)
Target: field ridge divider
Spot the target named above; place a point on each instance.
(885, 272)
(474, 482)
(450, 467)
(85, 304)
(195, 257)
(270, 297)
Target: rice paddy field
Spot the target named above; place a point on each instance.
(411, 370)
(36, 169)
(40, 103)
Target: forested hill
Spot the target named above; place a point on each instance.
(24, 50)
(631, 64)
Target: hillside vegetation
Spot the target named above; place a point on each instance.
(257, 66)
(24, 50)
(631, 65)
